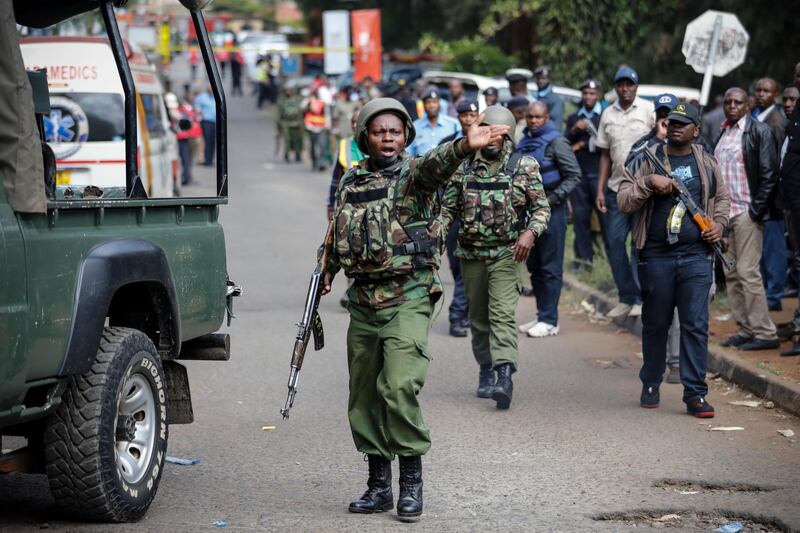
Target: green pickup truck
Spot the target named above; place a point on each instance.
(102, 293)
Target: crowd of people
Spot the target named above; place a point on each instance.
(498, 183)
(583, 160)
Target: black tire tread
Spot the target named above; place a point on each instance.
(78, 480)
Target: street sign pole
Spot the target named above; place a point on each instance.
(712, 57)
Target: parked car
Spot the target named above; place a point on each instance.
(648, 92)
(258, 45)
(474, 85)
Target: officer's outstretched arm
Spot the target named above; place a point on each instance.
(436, 166)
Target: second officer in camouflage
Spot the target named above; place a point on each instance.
(387, 237)
(498, 199)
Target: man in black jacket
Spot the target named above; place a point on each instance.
(790, 194)
(773, 260)
(560, 175)
(582, 135)
(748, 161)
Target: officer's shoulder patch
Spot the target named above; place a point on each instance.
(528, 164)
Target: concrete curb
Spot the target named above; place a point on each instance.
(733, 368)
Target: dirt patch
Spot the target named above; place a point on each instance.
(694, 520)
(685, 486)
(770, 361)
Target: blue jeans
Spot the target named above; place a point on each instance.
(617, 227)
(185, 153)
(773, 261)
(667, 283)
(209, 141)
(459, 310)
(546, 265)
(582, 199)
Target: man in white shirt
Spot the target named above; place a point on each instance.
(433, 127)
(621, 124)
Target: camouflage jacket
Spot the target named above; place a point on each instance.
(290, 111)
(383, 279)
(493, 208)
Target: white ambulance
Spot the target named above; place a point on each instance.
(86, 125)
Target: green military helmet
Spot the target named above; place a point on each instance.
(376, 107)
(500, 116)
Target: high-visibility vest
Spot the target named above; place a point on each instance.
(315, 114)
(346, 158)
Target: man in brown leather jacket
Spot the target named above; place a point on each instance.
(675, 262)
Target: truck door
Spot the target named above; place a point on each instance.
(13, 305)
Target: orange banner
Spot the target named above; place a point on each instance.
(366, 27)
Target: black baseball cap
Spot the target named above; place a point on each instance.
(490, 91)
(686, 113)
(542, 71)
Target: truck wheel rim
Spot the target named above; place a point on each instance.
(137, 402)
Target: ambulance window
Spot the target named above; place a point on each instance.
(153, 115)
(85, 117)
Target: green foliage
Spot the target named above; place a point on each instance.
(470, 54)
(578, 39)
(582, 38)
(245, 8)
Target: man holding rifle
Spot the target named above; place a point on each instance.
(386, 236)
(675, 253)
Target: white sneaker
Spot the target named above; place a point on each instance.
(542, 329)
(636, 310)
(527, 325)
(620, 310)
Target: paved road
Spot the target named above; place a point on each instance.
(575, 444)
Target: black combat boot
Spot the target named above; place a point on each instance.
(378, 497)
(485, 381)
(503, 388)
(409, 505)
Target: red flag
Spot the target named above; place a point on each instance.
(366, 28)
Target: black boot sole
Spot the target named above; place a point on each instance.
(380, 509)
(409, 517)
(503, 400)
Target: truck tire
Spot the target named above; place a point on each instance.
(105, 444)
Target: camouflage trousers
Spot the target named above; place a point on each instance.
(387, 355)
(292, 140)
(493, 288)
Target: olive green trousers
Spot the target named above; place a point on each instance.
(493, 287)
(387, 355)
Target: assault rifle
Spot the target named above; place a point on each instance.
(699, 216)
(311, 323)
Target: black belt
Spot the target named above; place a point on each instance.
(414, 248)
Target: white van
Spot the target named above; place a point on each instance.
(86, 125)
(474, 85)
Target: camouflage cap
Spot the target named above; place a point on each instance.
(501, 116)
(376, 107)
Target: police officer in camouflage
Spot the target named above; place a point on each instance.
(387, 237)
(497, 198)
(290, 121)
